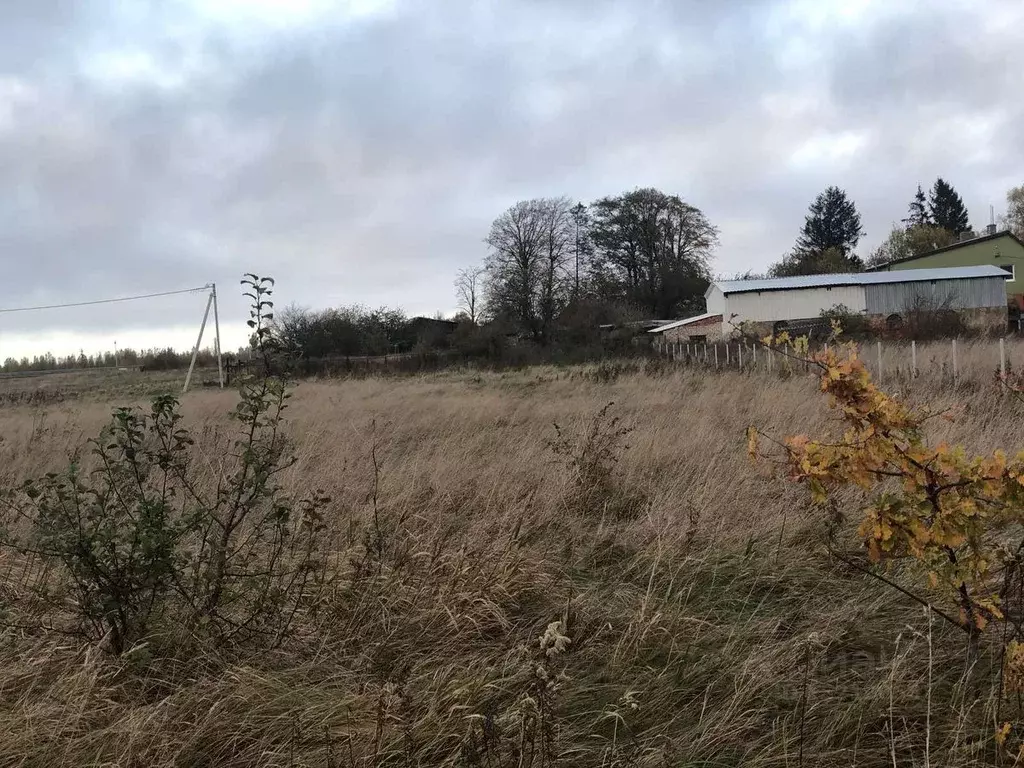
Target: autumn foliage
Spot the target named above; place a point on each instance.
(955, 516)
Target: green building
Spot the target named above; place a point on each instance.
(1001, 249)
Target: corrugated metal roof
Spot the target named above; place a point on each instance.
(858, 278)
(681, 323)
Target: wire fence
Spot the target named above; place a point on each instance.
(955, 361)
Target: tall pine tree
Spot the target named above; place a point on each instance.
(830, 232)
(947, 208)
(833, 222)
(919, 215)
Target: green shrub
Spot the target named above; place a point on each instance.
(139, 537)
(854, 324)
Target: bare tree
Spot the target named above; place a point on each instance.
(580, 220)
(556, 286)
(468, 290)
(527, 275)
(1014, 218)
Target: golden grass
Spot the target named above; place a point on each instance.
(707, 629)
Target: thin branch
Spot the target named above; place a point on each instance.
(919, 600)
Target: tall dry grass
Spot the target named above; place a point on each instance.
(706, 624)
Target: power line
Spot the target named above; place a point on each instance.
(106, 301)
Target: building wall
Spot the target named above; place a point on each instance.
(998, 251)
(710, 328)
(898, 298)
(714, 302)
(987, 320)
(794, 304)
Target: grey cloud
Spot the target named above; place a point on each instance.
(362, 160)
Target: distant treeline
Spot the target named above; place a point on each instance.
(149, 359)
(339, 339)
(350, 331)
(586, 327)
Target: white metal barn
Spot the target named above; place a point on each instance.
(875, 294)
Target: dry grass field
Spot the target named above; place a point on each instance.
(702, 621)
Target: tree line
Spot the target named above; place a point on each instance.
(556, 268)
(148, 359)
(346, 331)
(832, 230)
(555, 271)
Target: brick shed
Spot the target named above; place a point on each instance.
(702, 328)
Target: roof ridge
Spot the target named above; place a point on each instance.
(950, 247)
(840, 279)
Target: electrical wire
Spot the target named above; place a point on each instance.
(106, 301)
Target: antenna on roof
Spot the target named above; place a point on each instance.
(991, 228)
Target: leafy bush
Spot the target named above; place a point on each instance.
(854, 324)
(137, 537)
(114, 531)
(955, 518)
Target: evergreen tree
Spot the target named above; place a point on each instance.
(833, 223)
(919, 215)
(830, 232)
(947, 208)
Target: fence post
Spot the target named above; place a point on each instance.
(878, 348)
(1002, 358)
(753, 352)
(705, 353)
(956, 369)
(739, 357)
(716, 357)
(768, 352)
(727, 354)
(913, 359)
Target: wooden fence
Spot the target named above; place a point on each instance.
(952, 360)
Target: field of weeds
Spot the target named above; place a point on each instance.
(576, 567)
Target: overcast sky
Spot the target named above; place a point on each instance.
(357, 151)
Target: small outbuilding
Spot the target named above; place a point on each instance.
(699, 329)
